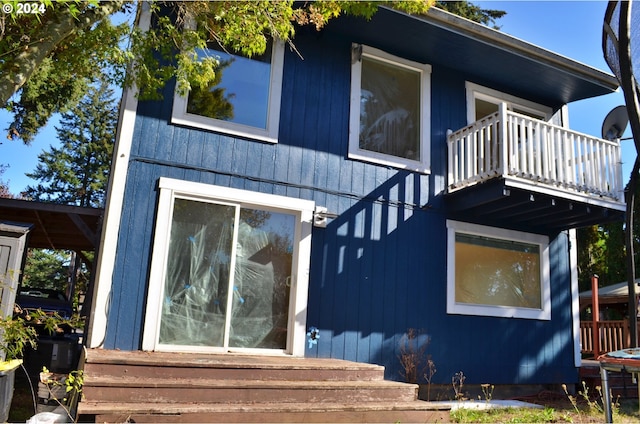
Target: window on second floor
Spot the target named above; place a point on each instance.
(390, 117)
(244, 99)
(483, 101)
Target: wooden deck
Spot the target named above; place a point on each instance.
(178, 387)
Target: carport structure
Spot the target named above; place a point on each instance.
(55, 226)
(51, 226)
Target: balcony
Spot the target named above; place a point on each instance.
(511, 170)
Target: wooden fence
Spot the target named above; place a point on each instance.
(614, 335)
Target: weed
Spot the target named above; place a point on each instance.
(592, 404)
(431, 370)
(487, 391)
(413, 346)
(72, 384)
(457, 381)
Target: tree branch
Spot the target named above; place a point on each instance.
(62, 25)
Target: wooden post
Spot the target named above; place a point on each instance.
(595, 315)
(503, 162)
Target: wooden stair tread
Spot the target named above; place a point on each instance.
(206, 360)
(159, 387)
(151, 382)
(91, 407)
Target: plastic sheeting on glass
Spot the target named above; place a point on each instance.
(219, 293)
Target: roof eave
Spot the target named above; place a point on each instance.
(495, 38)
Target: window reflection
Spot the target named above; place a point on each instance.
(240, 91)
(389, 109)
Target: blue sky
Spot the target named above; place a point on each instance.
(570, 28)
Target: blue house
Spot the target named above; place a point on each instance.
(400, 175)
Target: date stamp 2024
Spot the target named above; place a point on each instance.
(24, 8)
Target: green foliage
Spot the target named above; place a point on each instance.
(76, 173)
(49, 61)
(16, 336)
(473, 12)
(46, 269)
(72, 384)
(602, 251)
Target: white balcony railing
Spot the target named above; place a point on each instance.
(535, 151)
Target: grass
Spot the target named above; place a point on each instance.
(504, 415)
(561, 412)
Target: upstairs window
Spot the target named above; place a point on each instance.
(497, 272)
(244, 100)
(390, 116)
(483, 101)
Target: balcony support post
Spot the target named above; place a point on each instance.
(595, 315)
(503, 140)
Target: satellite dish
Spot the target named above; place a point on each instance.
(615, 123)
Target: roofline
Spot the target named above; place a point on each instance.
(50, 207)
(490, 36)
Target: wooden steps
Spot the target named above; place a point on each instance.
(178, 387)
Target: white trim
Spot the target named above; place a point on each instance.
(424, 164)
(303, 209)
(575, 296)
(498, 311)
(180, 116)
(476, 91)
(105, 262)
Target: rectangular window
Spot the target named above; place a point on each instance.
(389, 118)
(243, 101)
(483, 101)
(497, 272)
(229, 271)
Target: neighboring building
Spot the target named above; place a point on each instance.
(404, 173)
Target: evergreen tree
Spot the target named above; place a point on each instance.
(76, 173)
(47, 269)
(472, 12)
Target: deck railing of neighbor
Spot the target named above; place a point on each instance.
(614, 335)
(535, 151)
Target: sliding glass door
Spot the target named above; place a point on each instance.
(228, 275)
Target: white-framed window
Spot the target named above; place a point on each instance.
(229, 271)
(483, 101)
(390, 115)
(245, 101)
(497, 272)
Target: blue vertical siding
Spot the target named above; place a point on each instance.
(379, 268)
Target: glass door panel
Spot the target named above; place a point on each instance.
(228, 276)
(262, 280)
(197, 274)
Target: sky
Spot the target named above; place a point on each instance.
(571, 28)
